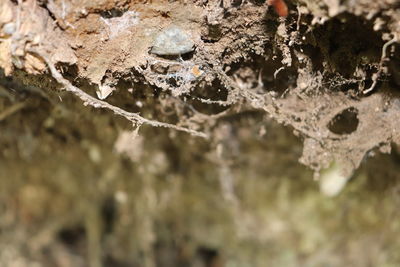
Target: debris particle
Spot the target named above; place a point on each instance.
(280, 7)
(103, 91)
(196, 71)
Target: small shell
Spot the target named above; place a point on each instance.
(172, 41)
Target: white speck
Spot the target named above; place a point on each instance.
(139, 104)
(172, 41)
(9, 28)
(103, 91)
(121, 197)
(332, 180)
(94, 154)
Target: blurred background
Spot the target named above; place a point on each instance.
(79, 189)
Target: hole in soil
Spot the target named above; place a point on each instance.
(172, 81)
(71, 73)
(214, 92)
(131, 91)
(346, 40)
(345, 122)
(112, 13)
(272, 75)
(188, 56)
(237, 3)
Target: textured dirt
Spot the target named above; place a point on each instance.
(329, 72)
(304, 70)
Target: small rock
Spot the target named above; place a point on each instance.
(9, 28)
(172, 41)
(103, 91)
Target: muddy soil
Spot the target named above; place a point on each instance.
(196, 133)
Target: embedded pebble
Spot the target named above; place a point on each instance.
(172, 41)
(9, 28)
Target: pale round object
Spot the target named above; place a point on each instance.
(172, 41)
(9, 28)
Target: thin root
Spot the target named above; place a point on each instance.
(376, 76)
(96, 103)
(11, 110)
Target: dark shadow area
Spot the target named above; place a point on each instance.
(213, 92)
(112, 13)
(345, 122)
(346, 41)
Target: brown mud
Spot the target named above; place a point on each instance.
(114, 153)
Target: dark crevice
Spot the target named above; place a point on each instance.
(213, 92)
(346, 122)
(112, 13)
(346, 40)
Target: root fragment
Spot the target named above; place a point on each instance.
(11, 110)
(96, 103)
(384, 58)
